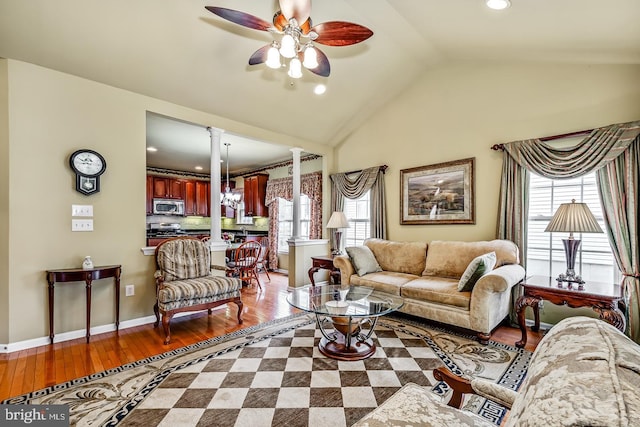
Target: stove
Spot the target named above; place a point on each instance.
(164, 229)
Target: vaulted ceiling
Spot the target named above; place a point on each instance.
(177, 51)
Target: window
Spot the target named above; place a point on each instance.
(545, 251)
(358, 212)
(240, 218)
(285, 221)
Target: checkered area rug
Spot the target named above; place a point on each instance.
(274, 375)
(284, 380)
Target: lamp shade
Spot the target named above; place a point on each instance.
(574, 218)
(338, 220)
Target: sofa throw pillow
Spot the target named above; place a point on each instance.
(363, 260)
(477, 268)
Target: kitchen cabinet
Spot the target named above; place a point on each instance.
(202, 198)
(149, 194)
(168, 188)
(155, 241)
(196, 198)
(190, 198)
(255, 189)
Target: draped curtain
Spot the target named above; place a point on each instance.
(596, 152)
(311, 186)
(353, 186)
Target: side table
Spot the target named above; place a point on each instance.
(87, 276)
(324, 262)
(603, 298)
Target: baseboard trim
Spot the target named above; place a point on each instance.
(80, 333)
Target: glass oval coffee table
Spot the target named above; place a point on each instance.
(346, 317)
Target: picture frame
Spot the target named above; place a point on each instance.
(442, 193)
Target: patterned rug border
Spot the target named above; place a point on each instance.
(27, 397)
(511, 378)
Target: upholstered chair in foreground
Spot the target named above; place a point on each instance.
(184, 281)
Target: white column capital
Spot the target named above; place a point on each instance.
(216, 133)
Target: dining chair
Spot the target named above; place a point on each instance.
(244, 263)
(263, 257)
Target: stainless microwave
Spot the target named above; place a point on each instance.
(168, 207)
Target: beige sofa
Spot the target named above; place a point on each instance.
(584, 372)
(427, 276)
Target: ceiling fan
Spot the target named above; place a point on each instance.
(296, 46)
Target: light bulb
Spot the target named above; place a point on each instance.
(310, 57)
(295, 69)
(498, 4)
(288, 48)
(273, 58)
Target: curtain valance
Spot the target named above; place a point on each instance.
(310, 185)
(595, 151)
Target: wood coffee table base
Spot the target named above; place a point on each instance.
(338, 350)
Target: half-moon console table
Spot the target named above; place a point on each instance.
(87, 276)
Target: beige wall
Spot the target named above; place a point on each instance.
(4, 201)
(459, 112)
(51, 114)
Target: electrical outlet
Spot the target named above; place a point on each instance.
(81, 225)
(129, 290)
(81, 210)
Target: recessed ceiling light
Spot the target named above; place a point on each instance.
(320, 89)
(154, 149)
(498, 4)
(198, 168)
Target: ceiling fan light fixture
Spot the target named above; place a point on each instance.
(273, 57)
(288, 46)
(498, 4)
(295, 69)
(310, 57)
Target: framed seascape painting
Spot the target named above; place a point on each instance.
(438, 194)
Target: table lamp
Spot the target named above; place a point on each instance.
(337, 221)
(572, 218)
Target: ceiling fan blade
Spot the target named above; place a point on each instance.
(339, 33)
(240, 18)
(324, 68)
(259, 56)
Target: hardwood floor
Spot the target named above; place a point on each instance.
(36, 368)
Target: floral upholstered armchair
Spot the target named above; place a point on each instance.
(184, 281)
(584, 372)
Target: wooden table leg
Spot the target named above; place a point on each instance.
(117, 290)
(521, 304)
(312, 271)
(611, 315)
(51, 282)
(88, 306)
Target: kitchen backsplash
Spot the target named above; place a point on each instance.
(204, 223)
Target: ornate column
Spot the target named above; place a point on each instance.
(214, 187)
(295, 234)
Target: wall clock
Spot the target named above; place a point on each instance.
(88, 165)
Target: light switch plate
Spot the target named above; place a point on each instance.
(81, 210)
(81, 225)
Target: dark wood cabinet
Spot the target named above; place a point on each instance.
(149, 195)
(196, 198)
(190, 198)
(168, 188)
(202, 196)
(255, 189)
